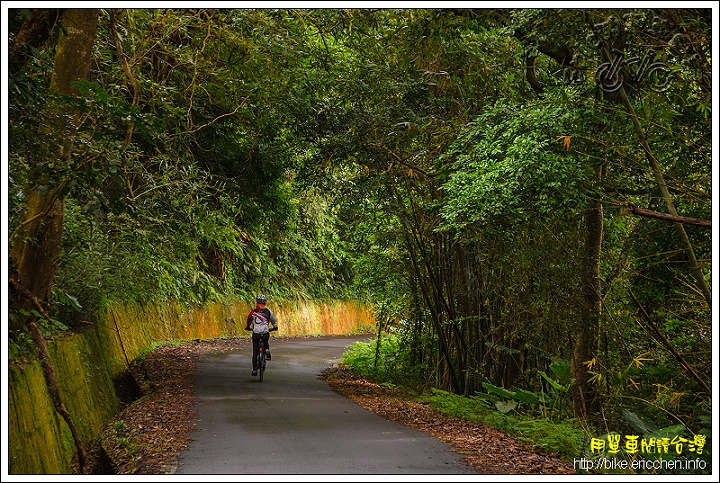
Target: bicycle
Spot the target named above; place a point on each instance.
(262, 357)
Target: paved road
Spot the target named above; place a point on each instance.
(293, 423)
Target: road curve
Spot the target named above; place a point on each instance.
(293, 423)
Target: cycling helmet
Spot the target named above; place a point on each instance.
(261, 299)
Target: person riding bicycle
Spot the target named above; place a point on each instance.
(259, 321)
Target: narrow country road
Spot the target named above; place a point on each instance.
(293, 423)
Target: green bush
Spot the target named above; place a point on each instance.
(383, 362)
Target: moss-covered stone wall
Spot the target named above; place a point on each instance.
(39, 441)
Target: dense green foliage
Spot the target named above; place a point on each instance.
(442, 164)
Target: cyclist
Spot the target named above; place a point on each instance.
(259, 321)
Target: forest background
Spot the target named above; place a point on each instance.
(524, 195)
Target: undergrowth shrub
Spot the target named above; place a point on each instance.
(381, 362)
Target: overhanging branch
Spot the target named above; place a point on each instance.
(668, 217)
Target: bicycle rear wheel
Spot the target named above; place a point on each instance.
(261, 364)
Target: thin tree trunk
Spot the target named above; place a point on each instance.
(585, 402)
(435, 306)
(668, 345)
(660, 180)
(442, 340)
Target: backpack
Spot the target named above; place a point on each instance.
(259, 323)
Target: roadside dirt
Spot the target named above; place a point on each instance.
(148, 435)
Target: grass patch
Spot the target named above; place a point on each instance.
(566, 438)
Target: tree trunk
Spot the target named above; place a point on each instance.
(36, 244)
(35, 250)
(585, 402)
